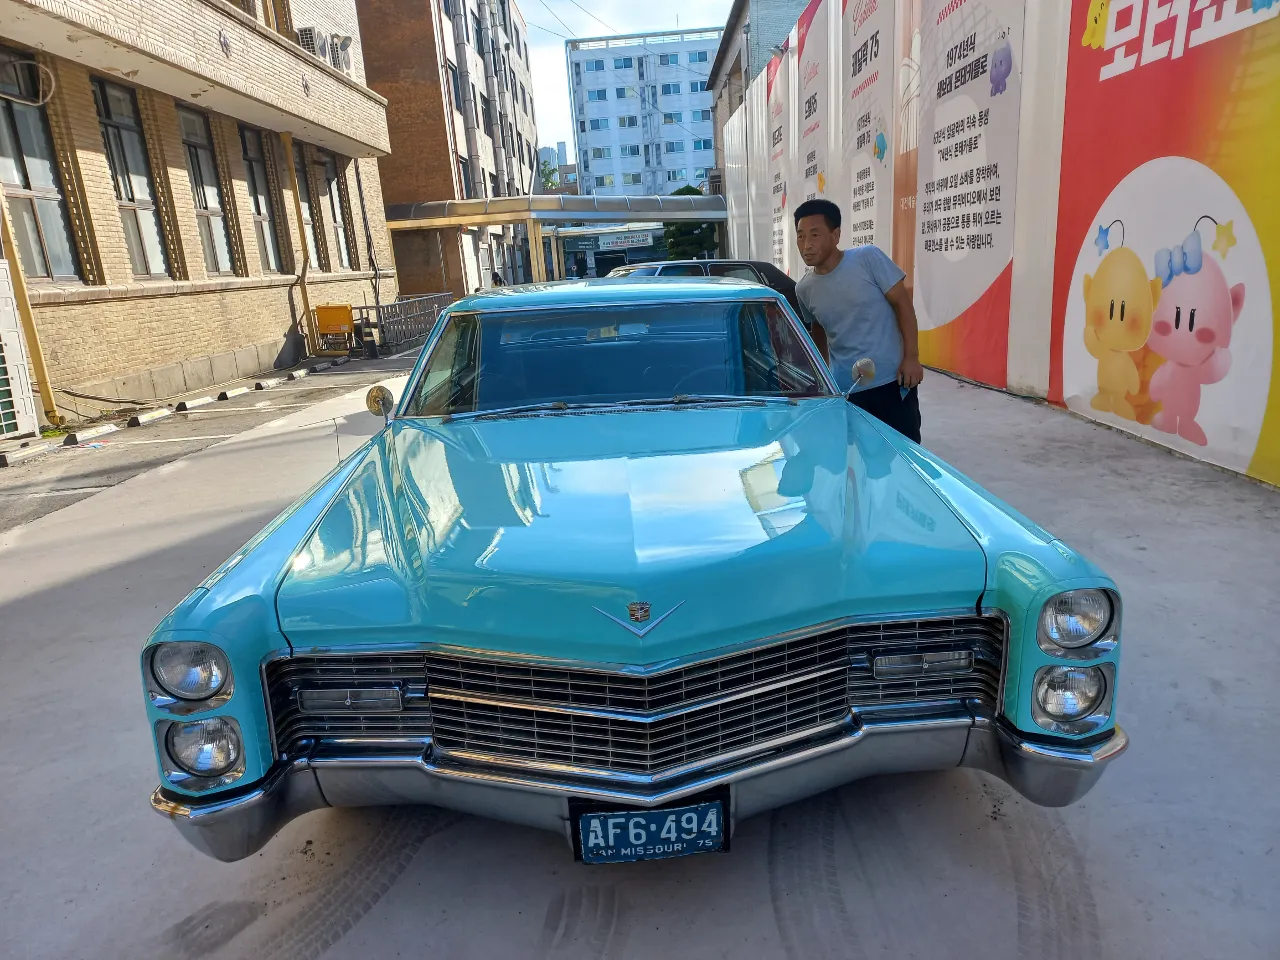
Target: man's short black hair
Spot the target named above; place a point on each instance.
(825, 209)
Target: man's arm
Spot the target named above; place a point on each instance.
(911, 372)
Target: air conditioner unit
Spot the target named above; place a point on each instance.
(340, 52)
(314, 42)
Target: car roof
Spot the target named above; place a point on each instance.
(611, 291)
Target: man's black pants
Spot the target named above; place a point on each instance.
(886, 403)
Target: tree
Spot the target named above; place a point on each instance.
(687, 241)
(549, 174)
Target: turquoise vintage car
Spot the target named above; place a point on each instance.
(623, 564)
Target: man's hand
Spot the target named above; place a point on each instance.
(910, 373)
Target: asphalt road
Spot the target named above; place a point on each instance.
(1174, 855)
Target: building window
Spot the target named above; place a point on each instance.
(706, 144)
(475, 27)
(601, 123)
(605, 181)
(622, 93)
(698, 56)
(304, 201)
(582, 125)
(264, 225)
(698, 86)
(630, 150)
(206, 191)
(601, 153)
(475, 105)
(464, 174)
(700, 116)
(674, 176)
(570, 178)
(597, 95)
(700, 173)
(524, 99)
(486, 115)
(339, 243)
(131, 176)
(493, 184)
(520, 148)
(670, 89)
(29, 172)
(457, 87)
(593, 66)
(673, 146)
(673, 118)
(632, 179)
(668, 59)
(628, 121)
(623, 63)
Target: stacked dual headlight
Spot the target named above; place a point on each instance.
(1075, 698)
(196, 677)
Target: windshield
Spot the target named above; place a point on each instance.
(593, 355)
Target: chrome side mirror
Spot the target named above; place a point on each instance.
(380, 402)
(864, 371)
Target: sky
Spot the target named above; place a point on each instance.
(607, 17)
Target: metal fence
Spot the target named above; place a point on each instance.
(402, 325)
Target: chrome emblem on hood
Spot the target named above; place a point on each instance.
(639, 611)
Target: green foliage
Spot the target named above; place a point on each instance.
(687, 241)
(549, 174)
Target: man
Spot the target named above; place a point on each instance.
(861, 307)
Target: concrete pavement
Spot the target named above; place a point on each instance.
(1174, 855)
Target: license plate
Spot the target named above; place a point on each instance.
(651, 834)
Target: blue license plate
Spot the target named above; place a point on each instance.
(651, 834)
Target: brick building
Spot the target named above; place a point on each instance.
(462, 124)
(149, 157)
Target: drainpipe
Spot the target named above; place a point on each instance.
(368, 240)
(29, 332)
(746, 135)
(469, 106)
(488, 47)
(506, 104)
(313, 335)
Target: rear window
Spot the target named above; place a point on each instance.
(683, 270)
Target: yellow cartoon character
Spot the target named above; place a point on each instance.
(1118, 302)
(1095, 27)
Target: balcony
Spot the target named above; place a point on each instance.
(210, 53)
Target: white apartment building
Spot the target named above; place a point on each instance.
(642, 113)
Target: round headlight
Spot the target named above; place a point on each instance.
(190, 671)
(1070, 693)
(1076, 618)
(204, 748)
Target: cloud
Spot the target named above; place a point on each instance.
(547, 55)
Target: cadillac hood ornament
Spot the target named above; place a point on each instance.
(638, 612)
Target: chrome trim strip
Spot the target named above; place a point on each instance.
(519, 703)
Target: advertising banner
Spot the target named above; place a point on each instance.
(970, 94)
(813, 101)
(1169, 226)
(778, 101)
(867, 101)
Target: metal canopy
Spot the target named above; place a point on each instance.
(554, 209)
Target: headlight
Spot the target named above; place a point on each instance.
(1075, 619)
(1070, 693)
(190, 671)
(204, 748)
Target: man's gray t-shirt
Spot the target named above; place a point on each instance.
(859, 322)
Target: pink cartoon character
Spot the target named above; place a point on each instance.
(1191, 329)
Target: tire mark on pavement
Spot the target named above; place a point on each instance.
(583, 923)
(210, 927)
(805, 887)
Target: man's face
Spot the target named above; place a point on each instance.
(815, 239)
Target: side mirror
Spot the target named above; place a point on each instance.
(864, 371)
(380, 402)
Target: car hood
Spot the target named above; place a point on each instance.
(534, 535)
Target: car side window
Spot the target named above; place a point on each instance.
(683, 270)
(738, 271)
(448, 383)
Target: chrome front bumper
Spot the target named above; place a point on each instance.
(233, 828)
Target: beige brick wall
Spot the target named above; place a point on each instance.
(94, 333)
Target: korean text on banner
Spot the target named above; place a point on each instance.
(778, 96)
(866, 87)
(970, 97)
(813, 98)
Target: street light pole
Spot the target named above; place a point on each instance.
(746, 133)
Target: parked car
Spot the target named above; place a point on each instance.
(757, 271)
(623, 564)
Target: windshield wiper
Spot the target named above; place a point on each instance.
(510, 411)
(694, 398)
(680, 399)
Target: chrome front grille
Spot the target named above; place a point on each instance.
(514, 711)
